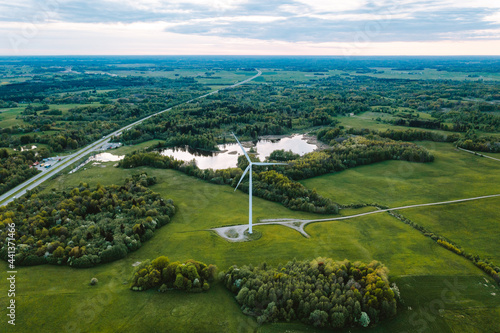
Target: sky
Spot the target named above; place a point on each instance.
(249, 27)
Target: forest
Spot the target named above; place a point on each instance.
(83, 226)
(286, 107)
(192, 275)
(14, 168)
(100, 114)
(320, 292)
(66, 111)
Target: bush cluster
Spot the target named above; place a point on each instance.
(163, 274)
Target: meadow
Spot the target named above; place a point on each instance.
(429, 74)
(453, 175)
(61, 298)
(8, 117)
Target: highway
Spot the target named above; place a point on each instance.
(70, 159)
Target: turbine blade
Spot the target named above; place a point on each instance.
(244, 152)
(264, 163)
(243, 176)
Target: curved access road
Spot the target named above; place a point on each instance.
(478, 154)
(66, 161)
(236, 233)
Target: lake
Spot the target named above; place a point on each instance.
(228, 155)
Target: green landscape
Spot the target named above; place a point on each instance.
(122, 236)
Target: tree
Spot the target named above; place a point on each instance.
(318, 318)
(364, 320)
(338, 319)
(59, 252)
(179, 282)
(160, 263)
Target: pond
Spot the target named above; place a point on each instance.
(227, 157)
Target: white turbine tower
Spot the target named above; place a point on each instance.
(249, 167)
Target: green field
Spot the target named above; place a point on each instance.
(388, 73)
(283, 75)
(429, 74)
(369, 120)
(472, 225)
(60, 297)
(123, 150)
(453, 175)
(8, 117)
(220, 77)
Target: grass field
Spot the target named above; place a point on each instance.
(388, 73)
(474, 226)
(221, 77)
(368, 120)
(429, 74)
(453, 175)
(123, 150)
(60, 297)
(8, 117)
(281, 75)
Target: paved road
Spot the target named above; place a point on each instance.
(70, 159)
(236, 233)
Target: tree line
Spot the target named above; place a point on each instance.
(328, 134)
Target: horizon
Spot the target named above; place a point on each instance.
(357, 57)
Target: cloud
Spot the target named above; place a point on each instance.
(379, 27)
(279, 21)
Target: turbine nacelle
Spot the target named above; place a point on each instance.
(249, 168)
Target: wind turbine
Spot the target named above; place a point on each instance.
(249, 167)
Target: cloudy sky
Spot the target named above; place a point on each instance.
(260, 27)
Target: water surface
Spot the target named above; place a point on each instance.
(228, 155)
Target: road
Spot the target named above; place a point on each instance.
(70, 159)
(235, 233)
(479, 154)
